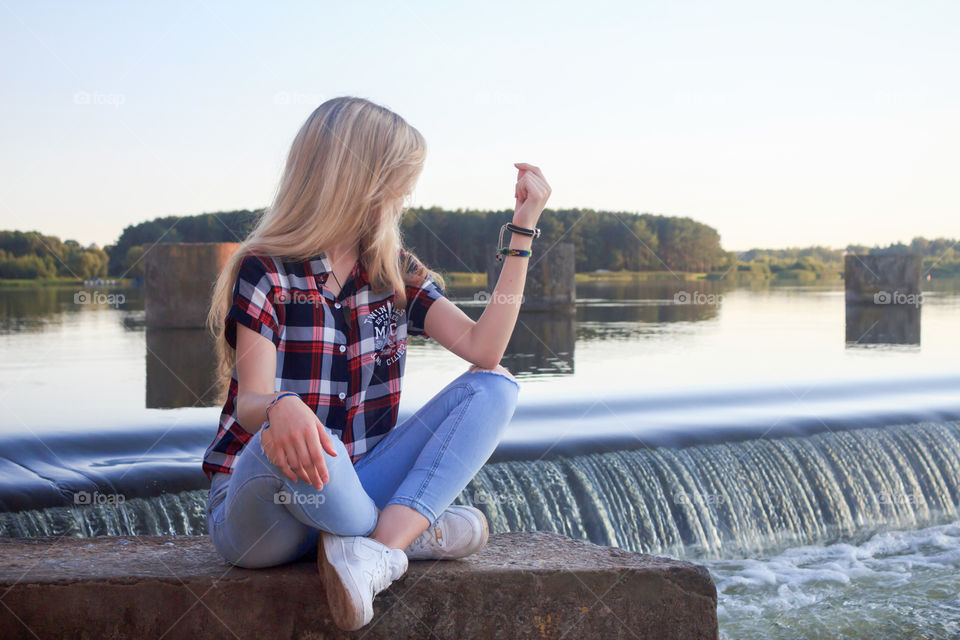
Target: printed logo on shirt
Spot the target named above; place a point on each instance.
(385, 320)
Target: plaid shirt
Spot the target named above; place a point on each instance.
(343, 354)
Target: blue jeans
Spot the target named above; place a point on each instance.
(257, 517)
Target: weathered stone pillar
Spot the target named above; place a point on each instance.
(178, 280)
(883, 299)
(550, 282)
(882, 278)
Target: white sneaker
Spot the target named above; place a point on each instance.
(354, 569)
(458, 532)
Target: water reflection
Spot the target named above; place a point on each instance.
(55, 345)
(871, 324)
(26, 309)
(542, 344)
(180, 369)
(179, 362)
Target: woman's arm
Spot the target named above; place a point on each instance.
(296, 439)
(483, 342)
(256, 367)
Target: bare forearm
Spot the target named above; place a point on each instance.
(252, 409)
(492, 331)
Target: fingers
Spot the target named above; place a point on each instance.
(283, 465)
(326, 440)
(316, 458)
(305, 470)
(534, 176)
(523, 166)
(284, 460)
(531, 184)
(521, 190)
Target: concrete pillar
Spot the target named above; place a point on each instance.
(883, 299)
(550, 277)
(882, 278)
(178, 281)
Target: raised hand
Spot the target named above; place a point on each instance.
(531, 192)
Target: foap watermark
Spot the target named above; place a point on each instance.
(900, 498)
(898, 297)
(99, 297)
(97, 98)
(698, 297)
(297, 297)
(682, 497)
(286, 497)
(500, 298)
(498, 497)
(89, 498)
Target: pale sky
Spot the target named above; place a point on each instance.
(778, 123)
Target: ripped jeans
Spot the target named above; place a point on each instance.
(257, 517)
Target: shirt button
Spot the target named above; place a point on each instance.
(337, 305)
(342, 395)
(342, 348)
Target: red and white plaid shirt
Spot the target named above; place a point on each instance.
(343, 354)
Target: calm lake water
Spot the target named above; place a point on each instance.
(622, 338)
(693, 369)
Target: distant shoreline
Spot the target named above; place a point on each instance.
(467, 278)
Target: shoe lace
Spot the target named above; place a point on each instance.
(432, 536)
(381, 573)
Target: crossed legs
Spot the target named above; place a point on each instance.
(393, 493)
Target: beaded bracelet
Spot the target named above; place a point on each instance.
(275, 401)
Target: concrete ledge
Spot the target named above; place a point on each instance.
(521, 585)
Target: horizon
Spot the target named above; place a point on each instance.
(817, 125)
(737, 251)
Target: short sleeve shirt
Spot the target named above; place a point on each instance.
(343, 354)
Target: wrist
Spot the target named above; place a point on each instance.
(280, 396)
(521, 221)
(519, 241)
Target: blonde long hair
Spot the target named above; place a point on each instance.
(348, 173)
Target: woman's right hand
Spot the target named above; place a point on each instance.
(531, 193)
(296, 440)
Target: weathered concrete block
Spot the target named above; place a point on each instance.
(521, 585)
(178, 281)
(882, 278)
(550, 283)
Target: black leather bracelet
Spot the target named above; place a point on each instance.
(531, 233)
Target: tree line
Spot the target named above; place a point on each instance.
(32, 255)
(940, 256)
(463, 240)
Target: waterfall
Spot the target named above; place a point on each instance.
(725, 499)
(733, 499)
(181, 513)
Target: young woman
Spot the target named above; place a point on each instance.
(311, 316)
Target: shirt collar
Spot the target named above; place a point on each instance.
(321, 266)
